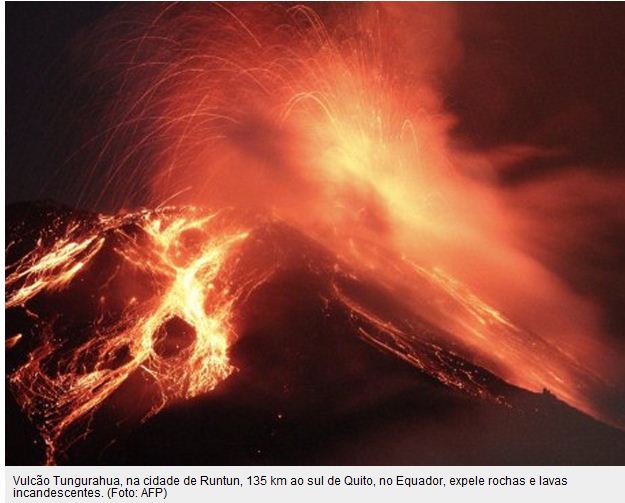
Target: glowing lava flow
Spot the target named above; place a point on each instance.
(474, 331)
(179, 276)
(53, 269)
(57, 386)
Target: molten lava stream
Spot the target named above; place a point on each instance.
(56, 386)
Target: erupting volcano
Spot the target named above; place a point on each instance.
(282, 256)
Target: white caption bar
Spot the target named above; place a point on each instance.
(184, 484)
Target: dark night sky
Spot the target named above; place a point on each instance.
(550, 75)
(37, 37)
(547, 74)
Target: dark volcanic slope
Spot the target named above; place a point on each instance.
(310, 388)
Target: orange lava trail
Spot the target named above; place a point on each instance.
(59, 400)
